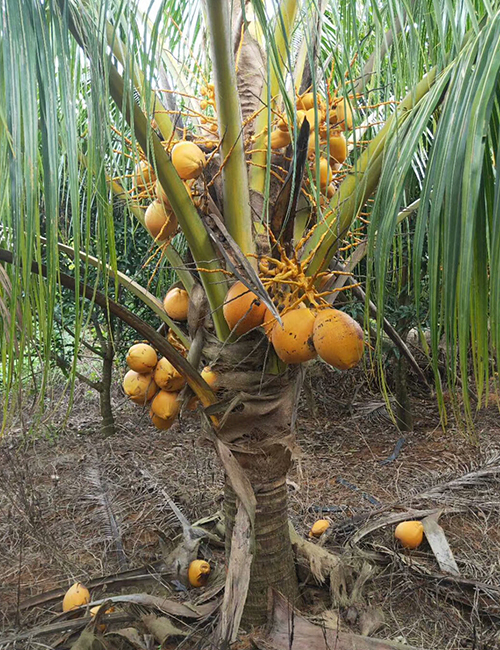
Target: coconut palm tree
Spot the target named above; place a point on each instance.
(91, 89)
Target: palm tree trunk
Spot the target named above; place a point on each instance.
(273, 563)
(258, 432)
(108, 421)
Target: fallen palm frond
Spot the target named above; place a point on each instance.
(164, 605)
(149, 573)
(476, 595)
(451, 496)
(107, 509)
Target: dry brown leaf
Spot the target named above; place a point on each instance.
(161, 628)
(288, 630)
(132, 636)
(238, 578)
(439, 545)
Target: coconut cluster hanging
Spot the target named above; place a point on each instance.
(154, 382)
(308, 328)
(328, 122)
(159, 218)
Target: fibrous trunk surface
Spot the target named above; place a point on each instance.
(273, 563)
(258, 433)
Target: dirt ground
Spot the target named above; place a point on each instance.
(76, 506)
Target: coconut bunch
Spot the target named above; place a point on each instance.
(304, 333)
(208, 118)
(189, 162)
(331, 127)
(154, 382)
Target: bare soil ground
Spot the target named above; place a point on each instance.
(63, 491)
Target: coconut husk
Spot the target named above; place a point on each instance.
(256, 408)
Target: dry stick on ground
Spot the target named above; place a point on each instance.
(165, 605)
(149, 573)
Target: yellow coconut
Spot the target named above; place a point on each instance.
(300, 117)
(242, 309)
(337, 147)
(94, 610)
(311, 118)
(188, 159)
(167, 377)
(161, 222)
(283, 123)
(292, 341)
(160, 423)
(76, 596)
(142, 358)
(306, 102)
(139, 387)
(325, 173)
(198, 573)
(280, 139)
(165, 405)
(176, 304)
(328, 278)
(410, 533)
(143, 175)
(338, 339)
(162, 196)
(341, 114)
(330, 190)
(210, 376)
(319, 527)
(311, 147)
(212, 379)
